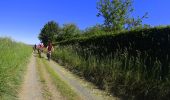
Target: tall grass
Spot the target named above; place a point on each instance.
(132, 77)
(13, 59)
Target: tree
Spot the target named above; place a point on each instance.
(68, 31)
(133, 23)
(49, 32)
(94, 30)
(117, 14)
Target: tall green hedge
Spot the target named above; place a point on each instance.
(144, 39)
(154, 42)
(132, 64)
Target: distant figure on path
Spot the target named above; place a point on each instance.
(40, 49)
(34, 48)
(49, 50)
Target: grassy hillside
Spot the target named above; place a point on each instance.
(13, 59)
(133, 65)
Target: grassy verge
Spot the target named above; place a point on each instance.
(62, 86)
(14, 57)
(121, 74)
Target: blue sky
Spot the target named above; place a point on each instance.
(23, 19)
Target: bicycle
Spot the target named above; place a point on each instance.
(49, 55)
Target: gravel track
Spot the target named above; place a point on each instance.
(85, 89)
(31, 88)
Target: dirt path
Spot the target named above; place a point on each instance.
(31, 89)
(38, 84)
(49, 89)
(85, 89)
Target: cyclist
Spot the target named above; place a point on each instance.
(49, 50)
(34, 48)
(40, 49)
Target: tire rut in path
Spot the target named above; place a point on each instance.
(85, 93)
(48, 85)
(31, 88)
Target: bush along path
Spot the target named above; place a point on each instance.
(130, 64)
(46, 80)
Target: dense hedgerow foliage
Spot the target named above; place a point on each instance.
(132, 64)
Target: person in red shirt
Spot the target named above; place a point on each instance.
(49, 50)
(40, 48)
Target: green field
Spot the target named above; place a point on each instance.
(13, 59)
